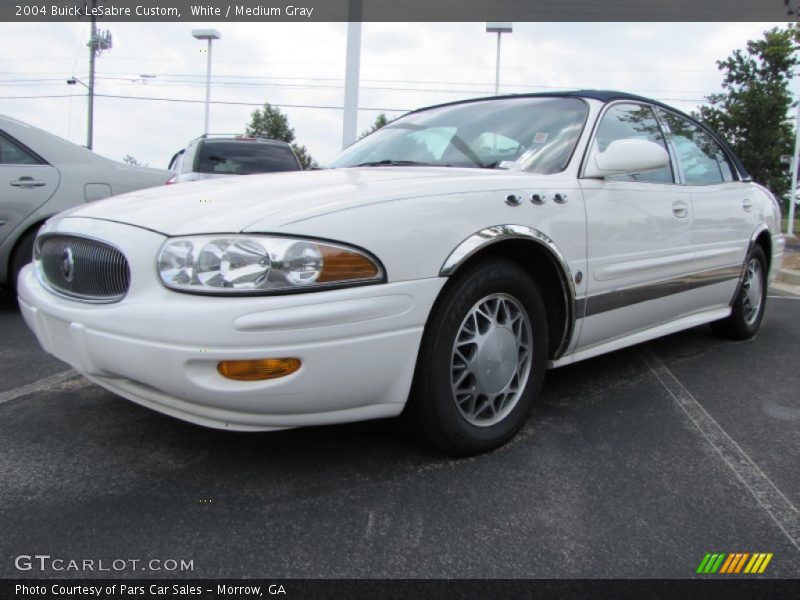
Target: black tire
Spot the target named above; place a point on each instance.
(22, 255)
(432, 409)
(738, 326)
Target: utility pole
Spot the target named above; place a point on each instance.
(92, 57)
(97, 43)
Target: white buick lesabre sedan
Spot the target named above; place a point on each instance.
(439, 267)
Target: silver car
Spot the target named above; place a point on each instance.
(42, 174)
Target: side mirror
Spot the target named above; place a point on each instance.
(626, 156)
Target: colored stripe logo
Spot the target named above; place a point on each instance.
(734, 563)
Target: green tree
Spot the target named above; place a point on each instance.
(271, 122)
(752, 112)
(380, 121)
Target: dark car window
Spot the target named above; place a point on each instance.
(702, 160)
(638, 122)
(244, 158)
(12, 153)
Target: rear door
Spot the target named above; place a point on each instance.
(26, 182)
(639, 233)
(724, 214)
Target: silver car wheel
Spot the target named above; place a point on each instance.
(491, 360)
(753, 290)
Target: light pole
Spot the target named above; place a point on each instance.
(90, 119)
(207, 34)
(792, 199)
(499, 29)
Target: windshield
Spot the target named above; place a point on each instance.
(244, 158)
(538, 134)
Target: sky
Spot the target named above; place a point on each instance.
(301, 67)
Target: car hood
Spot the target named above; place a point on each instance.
(267, 202)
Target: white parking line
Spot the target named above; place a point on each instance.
(785, 297)
(773, 501)
(40, 385)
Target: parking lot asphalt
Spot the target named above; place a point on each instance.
(634, 464)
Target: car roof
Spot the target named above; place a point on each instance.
(605, 96)
(244, 139)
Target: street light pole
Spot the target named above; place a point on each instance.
(499, 29)
(207, 34)
(792, 199)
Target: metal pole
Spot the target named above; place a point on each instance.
(790, 226)
(497, 68)
(208, 85)
(351, 80)
(92, 54)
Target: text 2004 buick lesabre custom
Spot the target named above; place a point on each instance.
(440, 266)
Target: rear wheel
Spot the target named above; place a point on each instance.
(482, 360)
(748, 308)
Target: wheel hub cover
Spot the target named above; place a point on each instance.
(497, 360)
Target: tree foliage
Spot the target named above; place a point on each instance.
(380, 121)
(271, 122)
(752, 113)
(130, 160)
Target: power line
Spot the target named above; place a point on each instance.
(224, 102)
(484, 87)
(238, 103)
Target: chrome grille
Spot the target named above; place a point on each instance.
(82, 268)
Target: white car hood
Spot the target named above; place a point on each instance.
(267, 202)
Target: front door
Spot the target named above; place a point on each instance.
(639, 233)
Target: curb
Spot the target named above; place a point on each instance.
(794, 290)
(789, 276)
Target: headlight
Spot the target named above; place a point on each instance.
(243, 264)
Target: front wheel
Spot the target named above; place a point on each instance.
(748, 308)
(482, 360)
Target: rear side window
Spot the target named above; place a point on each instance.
(701, 159)
(12, 153)
(633, 122)
(244, 158)
(175, 162)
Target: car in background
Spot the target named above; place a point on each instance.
(208, 157)
(42, 174)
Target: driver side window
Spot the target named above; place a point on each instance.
(633, 121)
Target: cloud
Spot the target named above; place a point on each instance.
(404, 66)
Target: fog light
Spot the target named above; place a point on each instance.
(259, 369)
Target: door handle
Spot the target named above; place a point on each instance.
(680, 210)
(27, 182)
(747, 205)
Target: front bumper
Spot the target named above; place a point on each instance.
(160, 348)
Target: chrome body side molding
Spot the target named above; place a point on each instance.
(600, 303)
(499, 233)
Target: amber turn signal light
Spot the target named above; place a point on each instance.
(342, 265)
(259, 369)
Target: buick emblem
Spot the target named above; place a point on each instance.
(67, 264)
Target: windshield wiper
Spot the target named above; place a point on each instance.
(398, 163)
